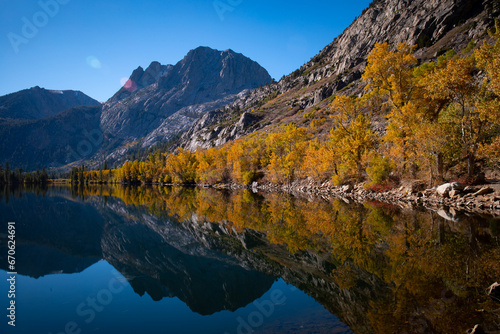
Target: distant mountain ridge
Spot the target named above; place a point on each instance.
(39, 103)
(56, 141)
(153, 105)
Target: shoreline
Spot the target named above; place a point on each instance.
(483, 199)
(459, 199)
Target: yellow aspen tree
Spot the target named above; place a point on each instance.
(212, 165)
(182, 166)
(390, 74)
(286, 150)
(319, 161)
(488, 60)
(456, 84)
(239, 162)
(205, 160)
(352, 136)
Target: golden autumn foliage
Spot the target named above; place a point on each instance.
(286, 149)
(488, 60)
(391, 73)
(212, 166)
(245, 158)
(439, 113)
(351, 136)
(182, 166)
(439, 118)
(319, 160)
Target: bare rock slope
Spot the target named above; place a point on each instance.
(434, 26)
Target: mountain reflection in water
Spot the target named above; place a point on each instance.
(377, 267)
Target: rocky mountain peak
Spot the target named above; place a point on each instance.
(154, 71)
(211, 73)
(161, 101)
(140, 79)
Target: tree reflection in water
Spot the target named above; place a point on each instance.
(389, 269)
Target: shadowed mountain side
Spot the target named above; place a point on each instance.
(38, 103)
(70, 136)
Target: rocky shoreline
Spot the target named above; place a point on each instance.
(450, 200)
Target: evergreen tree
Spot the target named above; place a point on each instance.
(7, 173)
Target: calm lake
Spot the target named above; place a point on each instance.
(188, 260)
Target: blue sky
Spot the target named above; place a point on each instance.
(92, 45)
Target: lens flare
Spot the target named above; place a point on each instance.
(128, 84)
(94, 62)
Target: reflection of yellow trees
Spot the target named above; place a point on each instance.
(437, 271)
(436, 278)
(286, 223)
(345, 276)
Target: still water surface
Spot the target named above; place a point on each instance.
(188, 260)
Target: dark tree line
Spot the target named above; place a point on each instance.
(18, 176)
(84, 175)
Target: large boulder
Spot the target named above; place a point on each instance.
(444, 189)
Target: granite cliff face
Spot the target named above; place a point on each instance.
(434, 26)
(416, 22)
(161, 101)
(39, 103)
